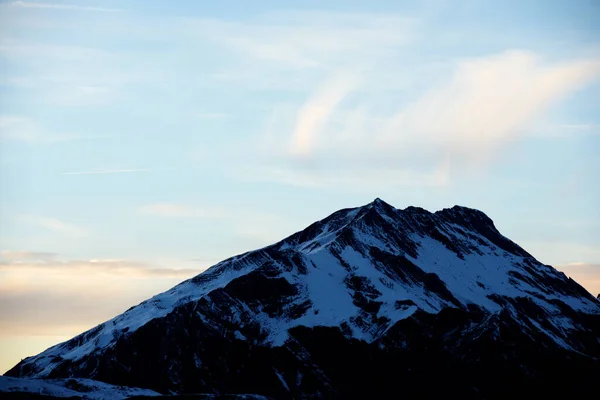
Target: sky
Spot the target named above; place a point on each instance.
(143, 141)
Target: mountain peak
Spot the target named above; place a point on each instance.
(379, 204)
(378, 201)
(464, 213)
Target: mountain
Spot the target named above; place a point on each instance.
(369, 302)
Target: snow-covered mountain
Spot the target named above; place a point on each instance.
(365, 301)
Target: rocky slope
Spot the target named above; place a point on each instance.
(369, 301)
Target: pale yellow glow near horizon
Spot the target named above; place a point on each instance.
(586, 274)
(27, 332)
(45, 300)
(15, 348)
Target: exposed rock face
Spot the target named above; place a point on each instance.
(368, 302)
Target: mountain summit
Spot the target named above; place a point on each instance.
(368, 302)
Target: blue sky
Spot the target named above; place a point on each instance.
(143, 141)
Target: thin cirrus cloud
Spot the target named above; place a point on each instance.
(489, 98)
(55, 225)
(80, 70)
(58, 6)
(51, 261)
(82, 95)
(18, 128)
(340, 137)
(105, 171)
(313, 116)
(277, 42)
(486, 103)
(73, 76)
(181, 210)
(15, 257)
(492, 98)
(209, 115)
(347, 177)
(255, 227)
(310, 39)
(44, 294)
(184, 211)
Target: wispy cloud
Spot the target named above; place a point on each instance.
(55, 225)
(487, 101)
(59, 6)
(567, 130)
(184, 211)
(209, 115)
(129, 268)
(490, 100)
(464, 122)
(259, 228)
(15, 127)
(315, 113)
(105, 171)
(311, 39)
(61, 74)
(82, 95)
(15, 257)
(41, 294)
(20, 128)
(349, 177)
